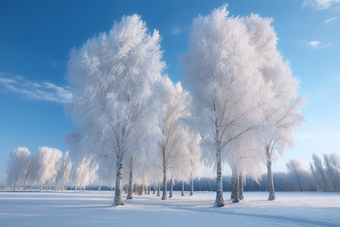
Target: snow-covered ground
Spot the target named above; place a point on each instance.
(94, 209)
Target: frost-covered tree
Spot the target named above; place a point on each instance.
(174, 138)
(298, 175)
(248, 161)
(84, 172)
(282, 109)
(113, 76)
(194, 157)
(226, 85)
(321, 173)
(64, 170)
(134, 170)
(34, 173)
(47, 164)
(47, 161)
(18, 167)
(106, 171)
(332, 164)
(179, 167)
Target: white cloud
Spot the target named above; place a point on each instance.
(36, 91)
(317, 44)
(314, 44)
(331, 19)
(321, 4)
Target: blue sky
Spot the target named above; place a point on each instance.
(36, 37)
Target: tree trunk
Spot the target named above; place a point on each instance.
(164, 196)
(154, 189)
(56, 183)
(191, 186)
(158, 188)
(129, 195)
(270, 175)
(232, 195)
(99, 186)
(118, 200)
(135, 189)
(41, 186)
(236, 185)
(62, 189)
(25, 183)
(149, 188)
(219, 202)
(182, 194)
(219, 187)
(141, 189)
(240, 179)
(171, 187)
(14, 186)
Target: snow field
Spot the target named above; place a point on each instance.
(95, 209)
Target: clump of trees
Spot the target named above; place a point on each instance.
(19, 167)
(134, 126)
(241, 101)
(323, 176)
(296, 178)
(326, 174)
(245, 103)
(43, 168)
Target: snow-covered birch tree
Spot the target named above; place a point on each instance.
(174, 138)
(113, 76)
(47, 164)
(282, 109)
(226, 86)
(106, 171)
(133, 163)
(321, 177)
(247, 161)
(194, 157)
(332, 164)
(18, 167)
(179, 168)
(64, 170)
(298, 175)
(84, 172)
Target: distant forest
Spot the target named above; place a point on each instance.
(323, 177)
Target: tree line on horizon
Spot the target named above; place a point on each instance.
(135, 126)
(27, 171)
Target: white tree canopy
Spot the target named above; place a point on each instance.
(227, 87)
(65, 169)
(47, 164)
(84, 172)
(18, 166)
(172, 145)
(282, 110)
(113, 76)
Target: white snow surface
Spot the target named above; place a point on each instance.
(90, 208)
